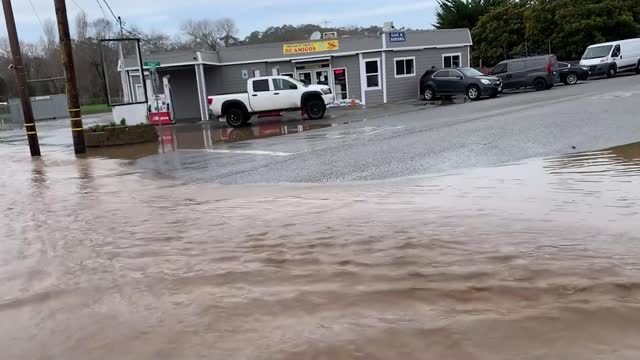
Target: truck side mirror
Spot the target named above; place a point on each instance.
(293, 87)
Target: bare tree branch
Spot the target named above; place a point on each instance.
(82, 26)
(204, 34)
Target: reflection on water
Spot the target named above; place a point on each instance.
(534, 260)
(202, 136)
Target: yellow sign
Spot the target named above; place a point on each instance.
(310, 47)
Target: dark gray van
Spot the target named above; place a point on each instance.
(539, 72)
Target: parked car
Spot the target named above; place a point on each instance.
(610, 58)
(571, 74)
(270, 96)
(460, 81)
(539, 72)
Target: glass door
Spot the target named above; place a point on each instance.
(340, 83)
(321, 77)
(305, 77)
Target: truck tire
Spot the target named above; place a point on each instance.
(540, 84)
(236, 117)
(611, 73)
(315, 109)
(638, 68)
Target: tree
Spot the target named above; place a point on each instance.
(50, 33)
(204, 34)
(102, 29)
(580, 23)
(460, 14)
(82, 26)
(500, 33)
(229, 32)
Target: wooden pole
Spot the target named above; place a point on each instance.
(21, 79)
(70, 78)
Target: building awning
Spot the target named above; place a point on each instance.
(312, 59)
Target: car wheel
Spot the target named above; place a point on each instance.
(539, 84)
(315, 109)
(638, 68)
(571, 79)
(612, 72)
(429, 94)
(473, 92)
(236, 117)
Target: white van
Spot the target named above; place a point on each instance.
(612, 57)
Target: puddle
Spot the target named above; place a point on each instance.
(537, 259)
(202, 137)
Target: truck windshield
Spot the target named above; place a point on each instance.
(297, 82)
(597, 52)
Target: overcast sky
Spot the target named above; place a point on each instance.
(250, 15)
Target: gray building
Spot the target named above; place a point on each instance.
(372, 69)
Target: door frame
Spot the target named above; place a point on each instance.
(297, 75)
(315, 72)
(346, 79)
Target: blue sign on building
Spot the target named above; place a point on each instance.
(397, 36)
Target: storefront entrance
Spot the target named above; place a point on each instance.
(340, 87)
(314, 77)
(321, 73)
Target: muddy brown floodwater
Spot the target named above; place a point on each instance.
(533, 260)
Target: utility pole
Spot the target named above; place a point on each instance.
(70, 76)
(124, 79)
(21, 79)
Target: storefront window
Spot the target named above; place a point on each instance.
(405, 67)
(372, 73)
(451, 60)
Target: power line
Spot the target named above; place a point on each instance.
(38, 16)
(110, 9)
(79, 7)
(104, 13)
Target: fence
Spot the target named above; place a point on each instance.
(44, 108)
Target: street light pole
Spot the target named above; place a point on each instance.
(70, 77)
(21, 79)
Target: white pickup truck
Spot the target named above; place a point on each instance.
(270, 96)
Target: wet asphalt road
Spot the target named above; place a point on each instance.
(589, 116)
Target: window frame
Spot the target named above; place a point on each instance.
(253, 86)
(379, 73)
(275, 79)
(459, 55)
(404, 62)
(617, 48)
(440, 71)
(506, 68)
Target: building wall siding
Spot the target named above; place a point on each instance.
(352, 64)
(229, 78)
(184, 92)
(375, 97)
(432, 38)
(213, 79)
(406, 88)
(283, 67)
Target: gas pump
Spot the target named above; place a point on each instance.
(160, 105)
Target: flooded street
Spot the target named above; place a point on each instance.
(538, 259)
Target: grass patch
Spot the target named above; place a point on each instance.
(95, 109)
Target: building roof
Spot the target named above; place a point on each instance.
(272, 52)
